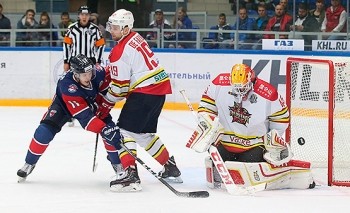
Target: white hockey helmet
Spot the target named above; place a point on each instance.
(121, 18)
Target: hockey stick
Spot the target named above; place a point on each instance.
(230, 185)
(194, 194)
(94, 165)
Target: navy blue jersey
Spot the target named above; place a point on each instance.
(81, 102)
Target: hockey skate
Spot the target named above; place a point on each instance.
(24, 172)
(170, 172)
(128, 182)
(119, 171)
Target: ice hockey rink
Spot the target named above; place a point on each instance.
(63, 180)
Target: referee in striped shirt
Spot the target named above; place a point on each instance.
(83, 37)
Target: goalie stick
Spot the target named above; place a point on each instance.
(194, 194)
(230, 185)
(94, 165)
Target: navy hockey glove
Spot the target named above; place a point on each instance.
(112, 135)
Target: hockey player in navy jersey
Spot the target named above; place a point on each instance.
(78, 95)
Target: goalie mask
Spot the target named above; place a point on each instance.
(242, 80)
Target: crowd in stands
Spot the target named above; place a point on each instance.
(269, 16)
(322, 18)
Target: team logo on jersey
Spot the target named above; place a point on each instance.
(52, 113)
(239, 114)
(253, 98)
(72, 88)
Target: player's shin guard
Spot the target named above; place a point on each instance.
(42, 137)
(113, 155)
(126, 159)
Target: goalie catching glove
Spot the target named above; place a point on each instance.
(208, 132)
(278, 152)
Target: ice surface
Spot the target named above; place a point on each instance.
(63, 180)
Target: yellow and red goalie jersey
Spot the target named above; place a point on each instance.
(245, 124)
(134, 68)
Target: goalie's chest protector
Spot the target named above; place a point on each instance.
(244, 123)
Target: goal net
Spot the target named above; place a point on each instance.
(318, 94)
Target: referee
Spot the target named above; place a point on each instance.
(83, 37)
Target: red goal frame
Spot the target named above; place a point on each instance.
(331, 85)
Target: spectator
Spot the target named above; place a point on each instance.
(261, 23)
(244, 23)
(335, 20)
(4, 24)
(94, 18)
(160, 23)
(47, 36)
(262, 20)
(267, 3)
(285, 4)
(27, 22)
(215, 39)
(319, 12)
(305, 23)
(64, 24)
(279, 23)
(182, 21)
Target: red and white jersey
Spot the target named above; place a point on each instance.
(134, 68)
(245, 124)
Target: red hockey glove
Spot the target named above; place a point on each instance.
(104, 107)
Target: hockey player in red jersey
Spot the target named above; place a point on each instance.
(78, 95)
(138, 77)
(252, 118)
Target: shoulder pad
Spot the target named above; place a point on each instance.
(265, 90)
(222, 79)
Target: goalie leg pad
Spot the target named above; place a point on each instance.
(213, 177)
(294, 175)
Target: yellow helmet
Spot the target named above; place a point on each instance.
(242, 79)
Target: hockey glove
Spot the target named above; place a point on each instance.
(208, 131)
(278, 152)
(104, 108)
(112, 135)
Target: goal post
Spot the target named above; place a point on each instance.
(318, 95)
